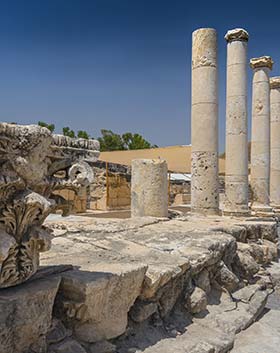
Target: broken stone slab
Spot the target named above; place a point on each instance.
(96, 304)
(262, 336)
(26, 315)
(197, 301)
(233, 316)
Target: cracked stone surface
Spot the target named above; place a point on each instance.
(138, 269)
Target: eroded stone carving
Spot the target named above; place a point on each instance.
(263, 61)
(237, 34)
(33, 164)
(275, 82)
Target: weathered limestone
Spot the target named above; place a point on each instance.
(260, 148)
(204, 186)
(26, 314)
(149, 188)
(31, 163)
(236, 179)
(275, 142)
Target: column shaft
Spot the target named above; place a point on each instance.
(236, 179)
(275, 142)
(260, 147)
(149, 188)
(204, 183)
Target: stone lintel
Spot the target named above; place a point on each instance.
(262, 61)
(275, 82)
(237, 34)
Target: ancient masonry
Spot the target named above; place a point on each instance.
(264, 145)
(260, 148)
(275, 142)
(236, 179)
(31, 161)
(148, 284)
(204, 185)
(149, 193)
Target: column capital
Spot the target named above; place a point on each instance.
(275, 82)
(237, 34)
(262, 61)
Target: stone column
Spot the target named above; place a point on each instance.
(260, 147)
(205, 182)
(275, 142)
(149, 188)
(236, 179)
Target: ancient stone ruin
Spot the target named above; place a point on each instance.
(33, 164)
(161, 281)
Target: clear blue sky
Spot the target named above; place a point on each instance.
(118, 64)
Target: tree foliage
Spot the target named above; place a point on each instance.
(110, 141)
(83, 134)
(68, 132)
(51, 127)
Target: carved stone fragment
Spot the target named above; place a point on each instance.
(33, 164)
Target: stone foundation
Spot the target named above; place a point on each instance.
(139, 280)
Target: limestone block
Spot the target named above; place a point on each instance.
(226, 278)
(203, 281)
(26, 314)
(197, 302)
(96, 304)
(142, 310)
(149, 188)
(204, 187)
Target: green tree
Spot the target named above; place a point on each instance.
(109, 141)
(135, 142)
(68, 132)
(51, 127)
(83, 134)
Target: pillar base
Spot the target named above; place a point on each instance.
(262, 210)
(205, 211)
(238, 213)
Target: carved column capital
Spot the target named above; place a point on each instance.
(275, 82)
(34, 163)
(262, 61)
(237, 34)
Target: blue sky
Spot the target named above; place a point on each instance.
(123, 65)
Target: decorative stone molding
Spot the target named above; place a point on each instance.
(237, 34)
(275, 82)
(33, 164)
(263, 61)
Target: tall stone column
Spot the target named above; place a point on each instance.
(260, 148)
(236, 178)
(275, 142)
(149, 188)
(205, 182)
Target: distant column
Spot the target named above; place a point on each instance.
(236, 178)
(260, 148)
(204, 182)
(149, 188)
(275, 142)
